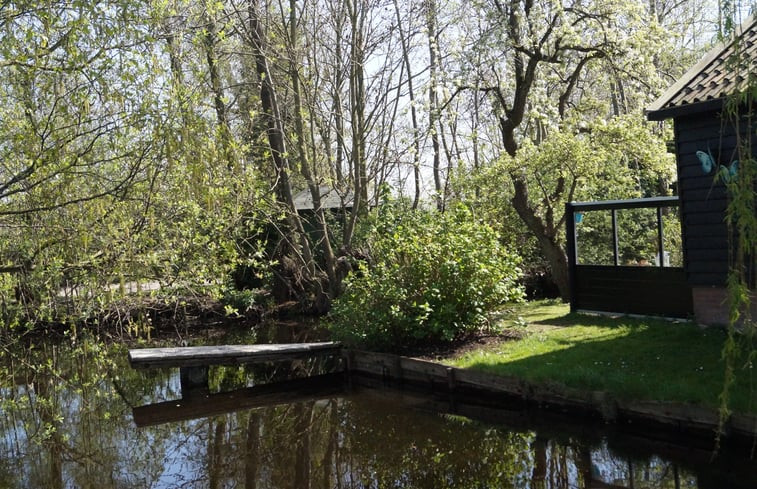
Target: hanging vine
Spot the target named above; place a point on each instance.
(739, 351)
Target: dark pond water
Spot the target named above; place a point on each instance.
(68, 422)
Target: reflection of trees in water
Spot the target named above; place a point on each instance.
(65, 425)
(358, 443)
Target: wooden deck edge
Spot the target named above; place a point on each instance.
(198, 356)
(511, 391)
(477, 386)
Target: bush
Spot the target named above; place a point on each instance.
(434, 278)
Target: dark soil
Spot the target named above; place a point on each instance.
(464, 345)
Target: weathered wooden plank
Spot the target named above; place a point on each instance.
(266, 395)
(194, 356)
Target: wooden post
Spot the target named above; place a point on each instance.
(570, 235)
(615, 236)
(349, 361)
(451, 382)
(398, 369)
(451, 386)
(194, 380)
(660, 245)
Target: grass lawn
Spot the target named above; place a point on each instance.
(631, 358)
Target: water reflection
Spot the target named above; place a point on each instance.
(68, 422)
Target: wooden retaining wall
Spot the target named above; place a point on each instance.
(513, 393)
(456, 385)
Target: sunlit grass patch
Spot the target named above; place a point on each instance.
(631, 358)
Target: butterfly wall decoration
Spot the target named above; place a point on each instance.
(725, 173)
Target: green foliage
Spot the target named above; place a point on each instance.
(617, 159)
(434, 278)
(239, 302)
(637, 237)
(740, 347)
(111, 175)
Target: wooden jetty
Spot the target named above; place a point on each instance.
(200, 356)
(454, 384)
(193, 361)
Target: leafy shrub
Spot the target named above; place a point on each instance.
(434, 277)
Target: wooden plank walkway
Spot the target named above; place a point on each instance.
(199, 356)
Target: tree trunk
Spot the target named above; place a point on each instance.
(252, 451)
(524, 66)
(357, 122)
(547, 236)
(216, 432)
(303, 414)
(539, 472)
(433, 114)
(323, 297)
(413, 112)
(224, 132)
(275, 132)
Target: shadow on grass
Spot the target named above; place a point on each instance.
(606, 321)
(645, 359)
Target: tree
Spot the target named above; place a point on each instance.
(109, 165)
(550, 81)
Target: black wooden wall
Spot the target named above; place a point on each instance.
(632, 290)
(703, 197)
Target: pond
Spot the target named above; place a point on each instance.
(68, 422)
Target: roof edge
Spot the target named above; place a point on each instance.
(683, 110)
(658, 106)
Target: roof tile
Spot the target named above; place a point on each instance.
(715, 76)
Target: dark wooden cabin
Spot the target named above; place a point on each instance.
(660, 274)
(705, 146)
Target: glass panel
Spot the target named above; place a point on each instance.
(594, 238)
(637, 237)
(672, 241)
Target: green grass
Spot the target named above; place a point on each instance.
(631, 358)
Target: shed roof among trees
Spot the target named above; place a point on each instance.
(330, 199)
(706, 84)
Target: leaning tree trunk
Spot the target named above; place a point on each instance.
(547, 235)
(413, 111)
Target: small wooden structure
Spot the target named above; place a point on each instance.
(193, 356)
(324, 386)
(706, 149)
(656, 289)
(706, 154)
(331, 200)
(193, 361)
